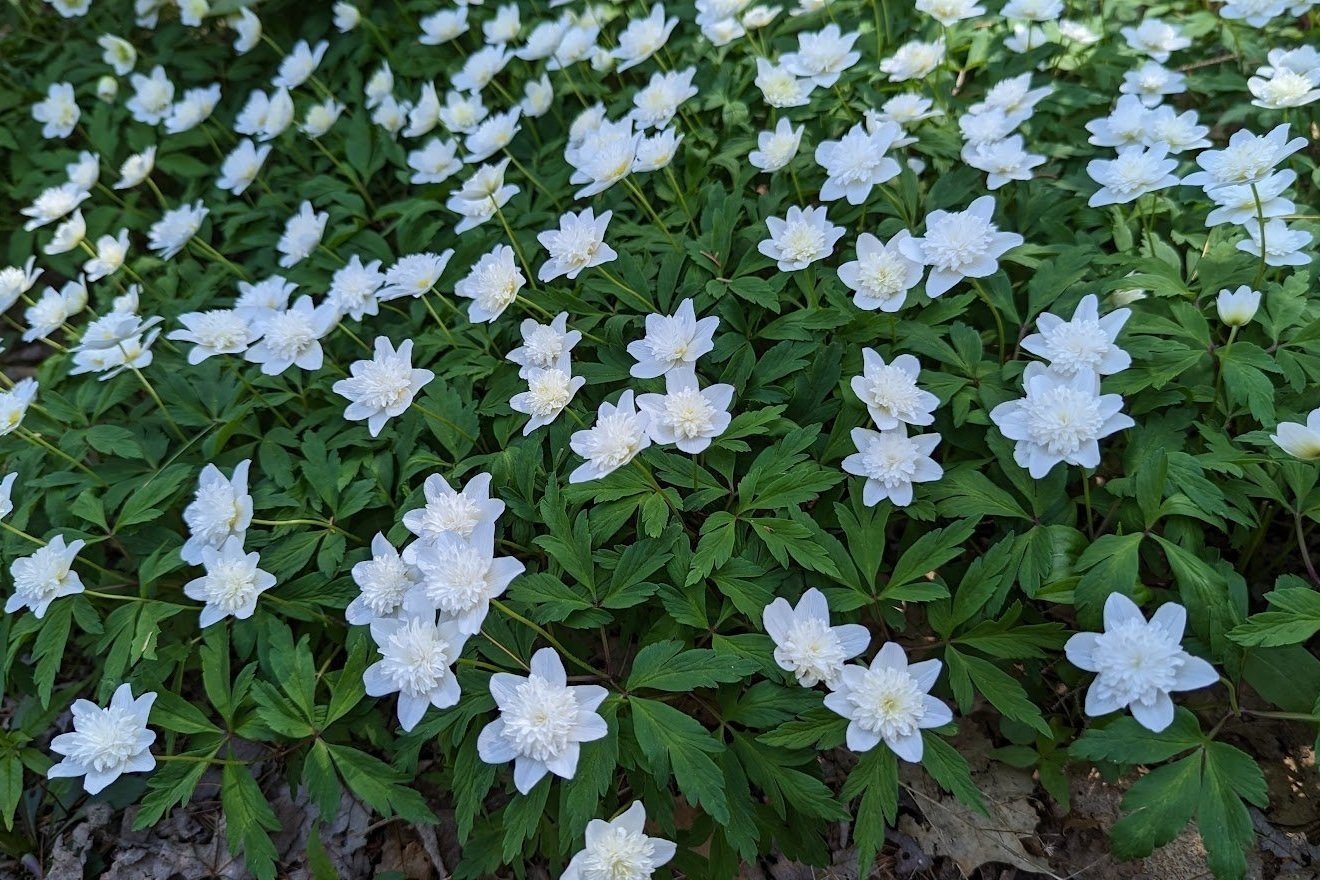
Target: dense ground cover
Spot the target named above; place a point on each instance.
(655, 438)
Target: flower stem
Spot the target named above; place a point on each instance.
(545, 634)
(33, 437)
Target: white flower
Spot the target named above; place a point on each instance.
(1156, 38)
(960, 244)
(1303, 59)
(891, 462)
(195, 108)
(881, 275)
(191, 12)
(908, 109)
(780, 87)
(542, 722)
(278, 115)
(152, 96)
(354, 286)
(543, 344)
(298, 66)
(168, 235)
(578, 243)
(617, 437)
(16, 281)
(448, 511)
(656, 105)
(504, 27)
(1138, 663)
(292, 337)
(1177, 131)
(822, 56)
(58, 113)
(492, 284)
(391, 115)
(481, 196)
(1032, 10)
(379, 86)
(1087, 342)
(673, 343)
(914, 60)
(221, 509)
(263, 298)
(383, 387)
(106, 743)
(231, 585)
(1281, 246)
(110, 253)
(1137, 171)
(890, 392)
(1077, 32)
(383, 582)
(605, 155)
(68, 235)
(425, 114)
(576, 44)
(414, 275)
(1002, 160)
(346, 17)
(417, 654)
(85, 171)
(950, 12)
(480, 68)
(136, 168)
(219, 331)
(857, 162)
(6, 490)
(1059, 419)
(686, 415)
(538, 95)
(1286, 88)
(248, 29)
(548, 391)
(643, 37)
(1128, 123)
(118, 53)
(1239, 204)
(1300, 440)
(889, 702)
(302, 233)
(460, 577)
(462, 113)
(1256, 13)
(657, 151)
(543, 40)
(775, 149)
(986, 127)
(759, 16)
(801, 238)
(492, 135)
(52, 204)
(14, 404)
(321, 117)
(805, 643)
(44, 576)
(1151, 82)
(619, 849)
(1236, 308)
(53, 308)
(442, 26)
(241, 166)
(434, 163)
(1247, 159)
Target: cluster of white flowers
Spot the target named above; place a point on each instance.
(888, 459)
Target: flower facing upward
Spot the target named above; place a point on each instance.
(354, 286)
(577, 244)
(805, 643)
(857, 162)
(960, 244)
(416, 659)
(890, 391)
(775, 149)
(449, 511)
(543, 344)
(231, 584)
(800, 238)
(781, 87)
(881, 275)
(106, 743)
(383, 582)
(686, 415)
(1247, 159)
(492, 284)
(1137, 170)
(58, 113)
(822, 56)
(617, 437)
(384, 386)
(542, 722)
(436, 162)
(1300, 440)
(1277, 244)
(292, 337)
(673, 343)
(891, 462)
(1061, 418)
(889, 702)
(152, 96)
(414, 275)
(221, 509)
(619, 849)
(44, 576)
(1138, 662)
(461, 577)
(548, 392)
(1087, 342)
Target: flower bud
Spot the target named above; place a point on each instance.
(1237, 307)
(106, 88)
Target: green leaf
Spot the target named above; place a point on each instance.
(1125, 741)
(1157, 807)
(168, 786)
(1231, 776)
(875, 778)
(1005, 694)
(950, 770)
(379, 785)
(785, 538)
(665, 666)
(1296, 619)
(176, 714)
(248, 820)
(927, 554)
(672, 739)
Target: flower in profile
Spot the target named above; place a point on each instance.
(1245, 205)
(492, 135)
(914, 60)
(6, 493)
(106, 743)
(152, 96)
(643, 37)
(960, 244)
(480, 68)
(891, 462)
(1061, 419)
(354, 288)
(111, 250)
(1137, 170)
(346, 17)
(890, 392)
(263, 298)
(442, 26)
(805, 643)
(780, 87)
(85, 171)
(1151, 82)
(1276, 244)
(549, 391)
(16, 281)
(889, 702)
(857, 162)
(606, 154)
(53, 309)
(543, 40)
(687, 415)
(45, 575)
(424, 115)
(136, 168)
(414, 275)
(321, 117)
(118, 53)
(492, 284)
(383, 387)
(1138, 662)
(58, 113)
(302, 233)
(14, 404)
(881, 275)
(1086, 342)
(656, 105)
(417, 656)
(241, 167)
(436, 162)
(461, 576)
(218, 331)
(52, 204)
(542, 722)
(543, 344)
(221, 509)
(68, 235)
(168, 235)
(449, 511)
(950, 12)
(195, 108)
(247, 28)
(1237, 307)
(578, 243)
(292, 337)
(617, 437)
(481, 196)
(383, 582)
(504, 27)
(619, 849)
(1156, 38)
(672, 343)
(800, 238)
(1300, 440)
(231, 585)
(298, 66)
(775, 149)
(1284, 88)
(822, 56)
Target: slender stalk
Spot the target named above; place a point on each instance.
(33, 437)
(645, 304)
(1301, 543)
(545, 634)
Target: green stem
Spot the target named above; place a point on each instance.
(545, 634)
(33, 437)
